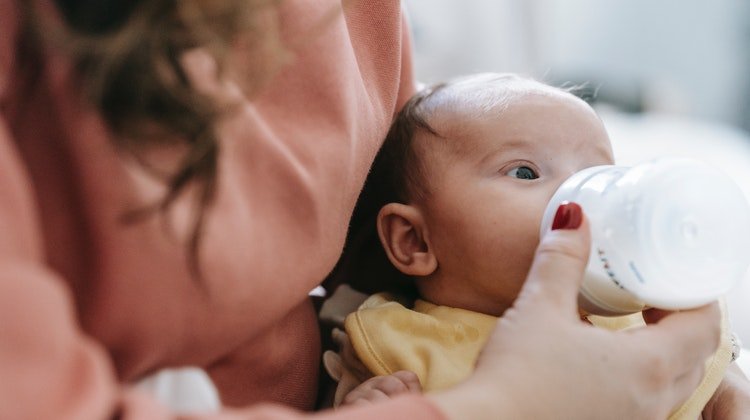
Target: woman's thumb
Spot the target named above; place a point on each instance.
(559, 263)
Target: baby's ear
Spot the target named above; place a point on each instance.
(403, 234)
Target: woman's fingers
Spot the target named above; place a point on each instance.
(687, 337)
(558, 267)
(686, 384)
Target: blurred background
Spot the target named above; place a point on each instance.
(668, 77)
(691, 59)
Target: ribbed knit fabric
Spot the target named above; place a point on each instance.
(88, 304)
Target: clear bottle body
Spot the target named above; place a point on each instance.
(671, 233)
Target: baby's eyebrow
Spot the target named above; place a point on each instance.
(507, 146)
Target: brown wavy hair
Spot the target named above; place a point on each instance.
(127, 55)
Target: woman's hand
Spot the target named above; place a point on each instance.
(732, 399)
(543, 362)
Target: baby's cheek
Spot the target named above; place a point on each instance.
(517, 256)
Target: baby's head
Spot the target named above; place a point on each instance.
(473, 163)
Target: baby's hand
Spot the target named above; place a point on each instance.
(381, 388)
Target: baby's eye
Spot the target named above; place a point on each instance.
(522, 172)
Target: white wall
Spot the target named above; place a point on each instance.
(687, 57)
(458, 37)
(691, 57)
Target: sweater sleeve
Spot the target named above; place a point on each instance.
(50, 368)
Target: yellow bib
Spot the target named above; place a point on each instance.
(441, 344)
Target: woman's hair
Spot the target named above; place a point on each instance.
(127, 56)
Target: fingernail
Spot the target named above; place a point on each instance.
(568, 216)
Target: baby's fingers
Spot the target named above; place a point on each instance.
(397, 383)
(383, 387)
(409, 379)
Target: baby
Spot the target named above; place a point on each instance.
(471, 165)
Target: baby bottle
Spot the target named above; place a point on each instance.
(671, 233)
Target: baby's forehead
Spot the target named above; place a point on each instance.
(465, 114)
(458, 104)
(457, 108)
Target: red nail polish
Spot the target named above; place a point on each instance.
(568, 216)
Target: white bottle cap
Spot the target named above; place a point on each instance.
(671, 233)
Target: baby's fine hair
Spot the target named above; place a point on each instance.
(399, 163)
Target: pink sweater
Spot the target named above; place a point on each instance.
(88, 304)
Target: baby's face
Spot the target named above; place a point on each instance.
(488, 189)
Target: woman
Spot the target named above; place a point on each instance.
(177, 175)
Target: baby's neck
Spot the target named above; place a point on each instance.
(495, 309)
